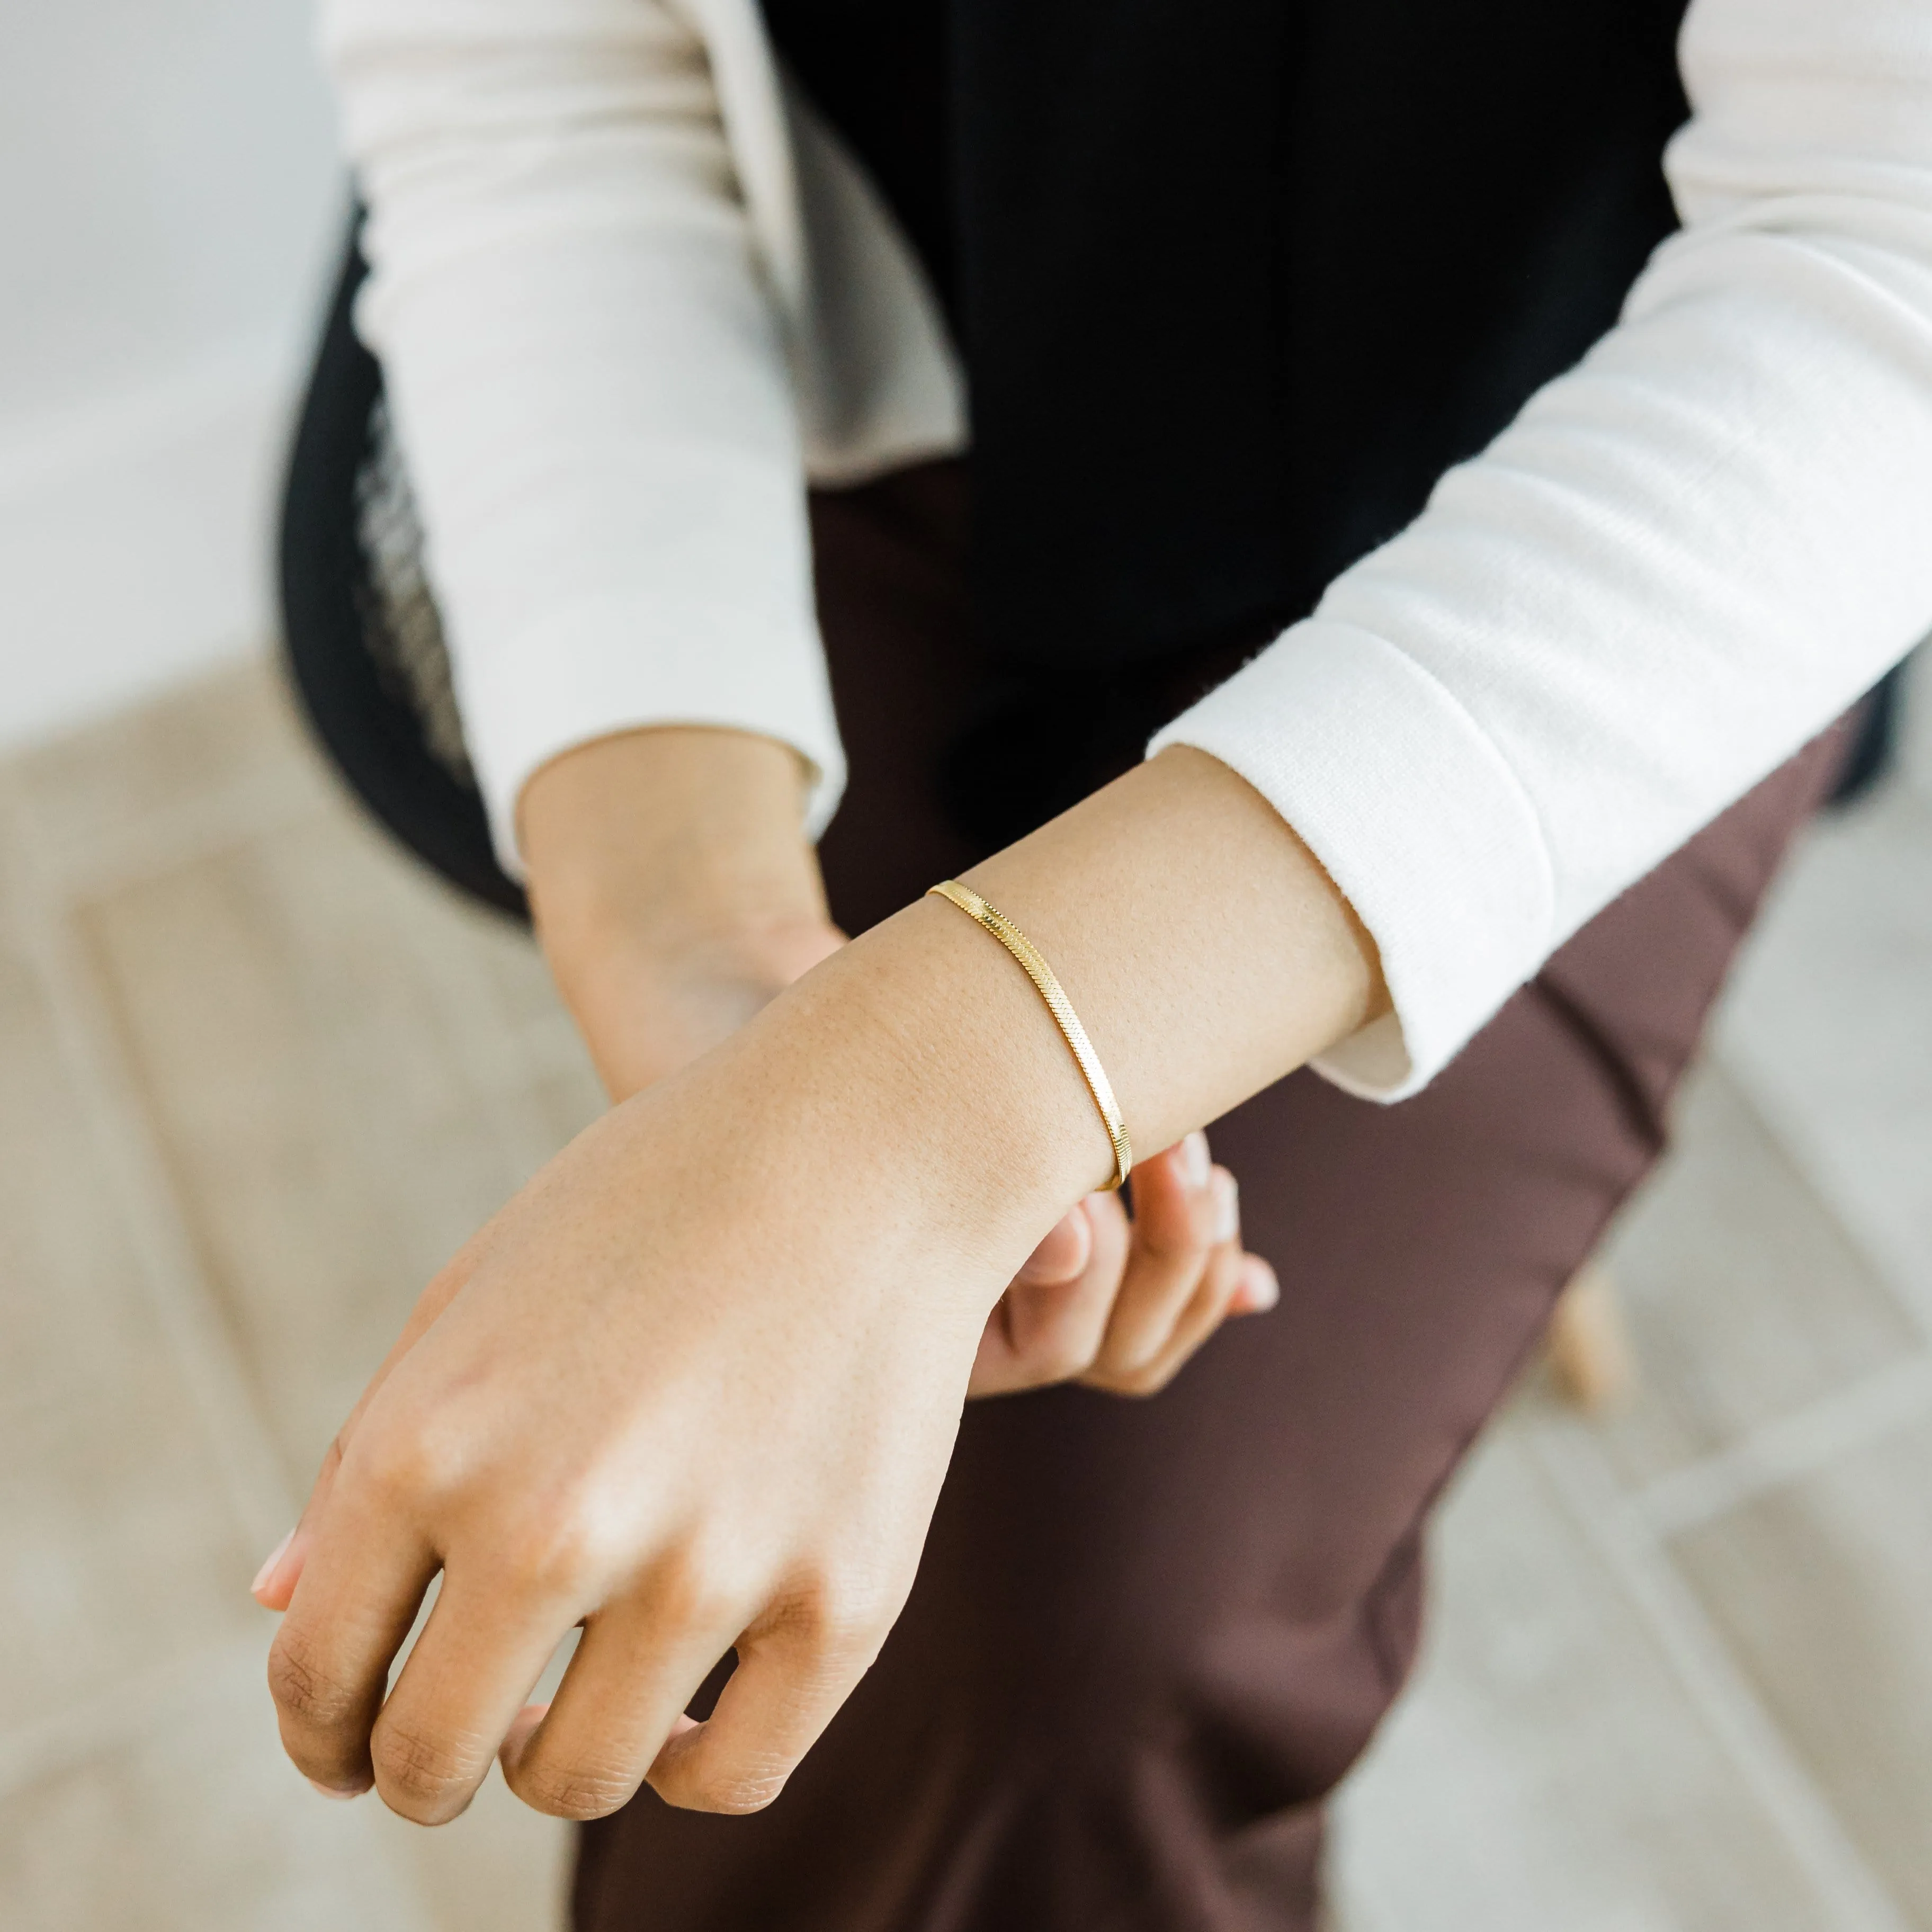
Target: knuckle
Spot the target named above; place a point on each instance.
(1172, 1243)
(562, 1546)
(1180, 1234)
(577, 1791)
(737, 1794)
(852, 1620)
(1126, 1357)
(306, 1689)
(841, 1619)
(1136, 1384)
(695, 1590)
(1056, 1357)
(562, 1556)
(402, 1467)
(418, 1773)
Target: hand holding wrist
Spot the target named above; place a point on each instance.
(673, 889)
(695, 1388)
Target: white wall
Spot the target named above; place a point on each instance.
(169, 201)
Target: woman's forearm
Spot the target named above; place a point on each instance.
(1205, 950)
(1210, 952)
(676, 896)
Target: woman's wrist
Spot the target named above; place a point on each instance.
(673, 835)
(1205, 950)
(962, 1084)
(673, 889)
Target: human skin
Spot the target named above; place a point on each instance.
(697, 1386)
(675, 894)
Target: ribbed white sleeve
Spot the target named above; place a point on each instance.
(585, 368)
(1684, 558)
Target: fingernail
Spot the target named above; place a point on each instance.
(1227, 1206)
(330, 1791)
(1194, 1160)
(268, 1569)
(1259, 1286)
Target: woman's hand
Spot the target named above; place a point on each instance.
(696, 1387)
(620, 1406)
(1121, 1304)
(673, 891)
(675, 895)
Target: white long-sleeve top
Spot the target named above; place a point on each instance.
(629, 296)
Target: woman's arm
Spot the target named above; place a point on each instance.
(698, 1383)
(675, 895)
(589, 368)
(657, 848)
(1684, 558)
(698, 1386)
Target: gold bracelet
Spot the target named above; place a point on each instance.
(1060, 1005)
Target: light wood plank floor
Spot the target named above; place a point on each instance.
(258, 1077)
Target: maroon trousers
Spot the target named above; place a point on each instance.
(1147, 1638)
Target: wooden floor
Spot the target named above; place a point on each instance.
(257, 1078)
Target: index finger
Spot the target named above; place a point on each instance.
(361, 1586)
(1176, 1223)
(274, 1586)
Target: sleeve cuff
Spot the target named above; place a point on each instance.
(1417, 816)
(628, 660)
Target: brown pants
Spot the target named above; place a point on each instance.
(1147, 1639)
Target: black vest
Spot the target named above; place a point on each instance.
(1237, 280)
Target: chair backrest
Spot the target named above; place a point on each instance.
(360, 630)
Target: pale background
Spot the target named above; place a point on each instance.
(258, 1076)
(169, 197)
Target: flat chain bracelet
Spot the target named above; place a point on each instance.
(1049, 989)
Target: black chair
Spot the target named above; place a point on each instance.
(363, 639)
(1876, 745)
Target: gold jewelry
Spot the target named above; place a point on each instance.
(1059, 1005)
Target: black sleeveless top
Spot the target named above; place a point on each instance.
(1237, 280)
